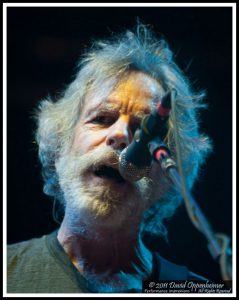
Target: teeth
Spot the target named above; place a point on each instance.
(108, 172)
(97, 168)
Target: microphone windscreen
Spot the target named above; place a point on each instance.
(130, 171)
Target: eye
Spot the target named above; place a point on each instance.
(134, 126)
(103, 120)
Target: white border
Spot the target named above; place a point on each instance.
(5, 5)
(234, 236)
(4, 147)
(120, 4)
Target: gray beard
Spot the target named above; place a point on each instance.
(99, 205)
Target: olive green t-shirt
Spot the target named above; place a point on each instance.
(40, 265)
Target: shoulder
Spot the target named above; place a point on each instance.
(26, 252)
(167, 270)
(23, 245)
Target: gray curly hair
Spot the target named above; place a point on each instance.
(138, 50)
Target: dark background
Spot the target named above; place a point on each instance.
(43, 46)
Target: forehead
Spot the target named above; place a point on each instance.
(136, 92)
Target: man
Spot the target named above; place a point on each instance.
(99, 245)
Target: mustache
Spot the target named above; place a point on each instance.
(94, 158)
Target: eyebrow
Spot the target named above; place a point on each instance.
(102, 107)
(107, 107)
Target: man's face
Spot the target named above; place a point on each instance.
(89, 177)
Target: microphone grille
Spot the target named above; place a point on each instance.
(129, 171)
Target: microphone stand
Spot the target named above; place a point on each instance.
(218, 244)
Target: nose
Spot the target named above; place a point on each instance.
(119, 135)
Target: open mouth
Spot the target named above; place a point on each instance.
(109, 173)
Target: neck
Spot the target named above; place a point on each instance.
(108, 251)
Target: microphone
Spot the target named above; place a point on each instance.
(135, 160)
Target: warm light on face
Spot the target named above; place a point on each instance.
(117, 114)
(92, 183)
